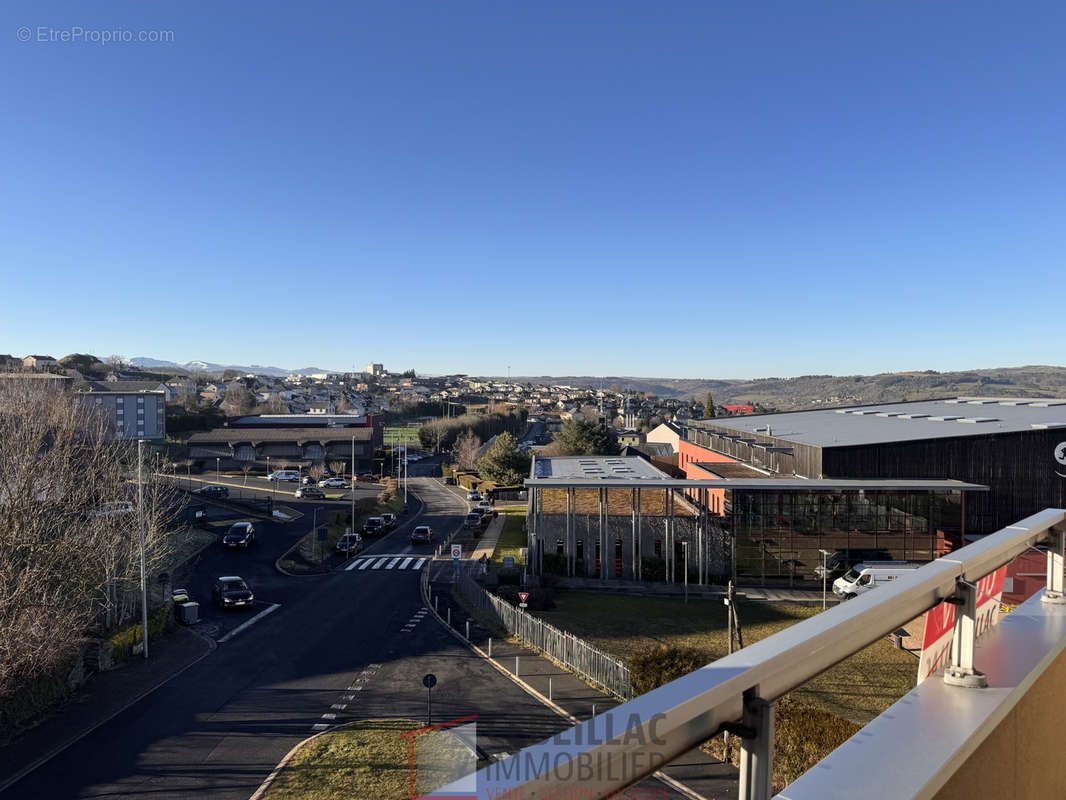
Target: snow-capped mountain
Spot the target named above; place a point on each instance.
(209, 366)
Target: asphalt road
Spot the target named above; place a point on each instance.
(261, 488)
(220, 727)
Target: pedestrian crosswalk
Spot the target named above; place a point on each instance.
(393, 562)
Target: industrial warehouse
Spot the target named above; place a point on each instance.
(771, 498)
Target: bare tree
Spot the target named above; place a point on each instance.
(69, 532)
(247, 467)
(338, 467)
(466, 447)
(316, 471)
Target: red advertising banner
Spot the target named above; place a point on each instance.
(940, 623)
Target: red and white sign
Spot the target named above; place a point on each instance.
(523, 596)
(940, 623)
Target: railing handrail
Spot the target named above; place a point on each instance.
(674, 718)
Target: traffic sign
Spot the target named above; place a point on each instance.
(457, 551)
(430, 680)
(523, 596)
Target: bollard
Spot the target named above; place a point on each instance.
(490, 647)
(435, 604)
(549, 687)
(516, 666)
(449, 616)
(468, 630)
(593, 710)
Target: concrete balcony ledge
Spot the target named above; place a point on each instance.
(953, 743)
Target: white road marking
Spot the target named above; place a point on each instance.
(329, 716)
(338, 706)
(372, 666)
(406, 561)
(356, 688)
(379, 562)
(353, 565)
(393, 563)
(421, 561)
(366, 563)
(270, 610)
(348, 697)
(321, 726)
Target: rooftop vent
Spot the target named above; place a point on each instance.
(944, 418)
(1043, 426)
(889, 413)
(980, 402)
(1014, 402)
(913, 416)
(979, 419)
(1049, 403)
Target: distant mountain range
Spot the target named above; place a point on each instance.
(812, 391)
(208, 366)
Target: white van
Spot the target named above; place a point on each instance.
(869, 575)
(284, 475)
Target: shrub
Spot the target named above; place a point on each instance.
(124, 640)
(654, 664)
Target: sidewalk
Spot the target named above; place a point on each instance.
(486, 544)
(701, 775)
(803, 597)
(103, 696)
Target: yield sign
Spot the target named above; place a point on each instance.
(523, 596)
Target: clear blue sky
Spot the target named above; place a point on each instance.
(703, 189)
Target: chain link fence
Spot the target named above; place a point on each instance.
(573, 653)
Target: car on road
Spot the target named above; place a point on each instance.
(368, 477)
(349, 543)
(422, 534)
(472, 521)
(486, 508)
(333, 483)
(240, 534)
(473, 495)
(212, 490)
(869, 575)
(232, 591)
(374, 526)
(310, 493)
(284, 475)
(112, 508)
(389, 520)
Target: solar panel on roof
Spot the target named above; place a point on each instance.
(945, 418)
(1049, 403)
(979, 419)
(913, 416)
(1041, 426)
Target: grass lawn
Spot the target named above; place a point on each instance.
(857, 689)
(512, 536)
(370, 759)
(310, 554)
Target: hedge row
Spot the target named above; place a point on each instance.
(124, 641)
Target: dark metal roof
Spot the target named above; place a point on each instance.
(232, 436)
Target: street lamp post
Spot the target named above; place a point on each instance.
(144, 577)
(353, 485)
(825, 555)
(684, 549)
(218, 477)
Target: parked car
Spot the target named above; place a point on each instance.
(473, 520)
(869, 575)
(389, 520)
(211, 490)
(284, 475)
(369, 477)
(841, 561)
(112, 508)
(486, 508)
(333, 483)
(374, 526)
(240, 534)
(232, 592)
(310, 493)
(349, 543)
(422, 534)
(308, 480)
(473, 495)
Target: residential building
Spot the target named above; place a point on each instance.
(38, 362)
(135, 414)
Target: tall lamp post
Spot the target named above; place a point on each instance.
(825, 572)
(352, 529)
(218, 477)
(684, 549)
(140, 525)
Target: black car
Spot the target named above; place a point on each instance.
(422, 534)
(349, 543)
(212, 490)
(232, 592)
(240, 534)
(473, 520)
(374, 526)
(310, 493)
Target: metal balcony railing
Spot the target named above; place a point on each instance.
(619, 747)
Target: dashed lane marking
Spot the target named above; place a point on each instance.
(245, 625)
(321, 726)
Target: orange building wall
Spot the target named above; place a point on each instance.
(687, 457)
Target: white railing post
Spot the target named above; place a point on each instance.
(960, 671)
(1055, 593)
(757, 750)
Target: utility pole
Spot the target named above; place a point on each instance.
(144, 577)
(352, 529)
